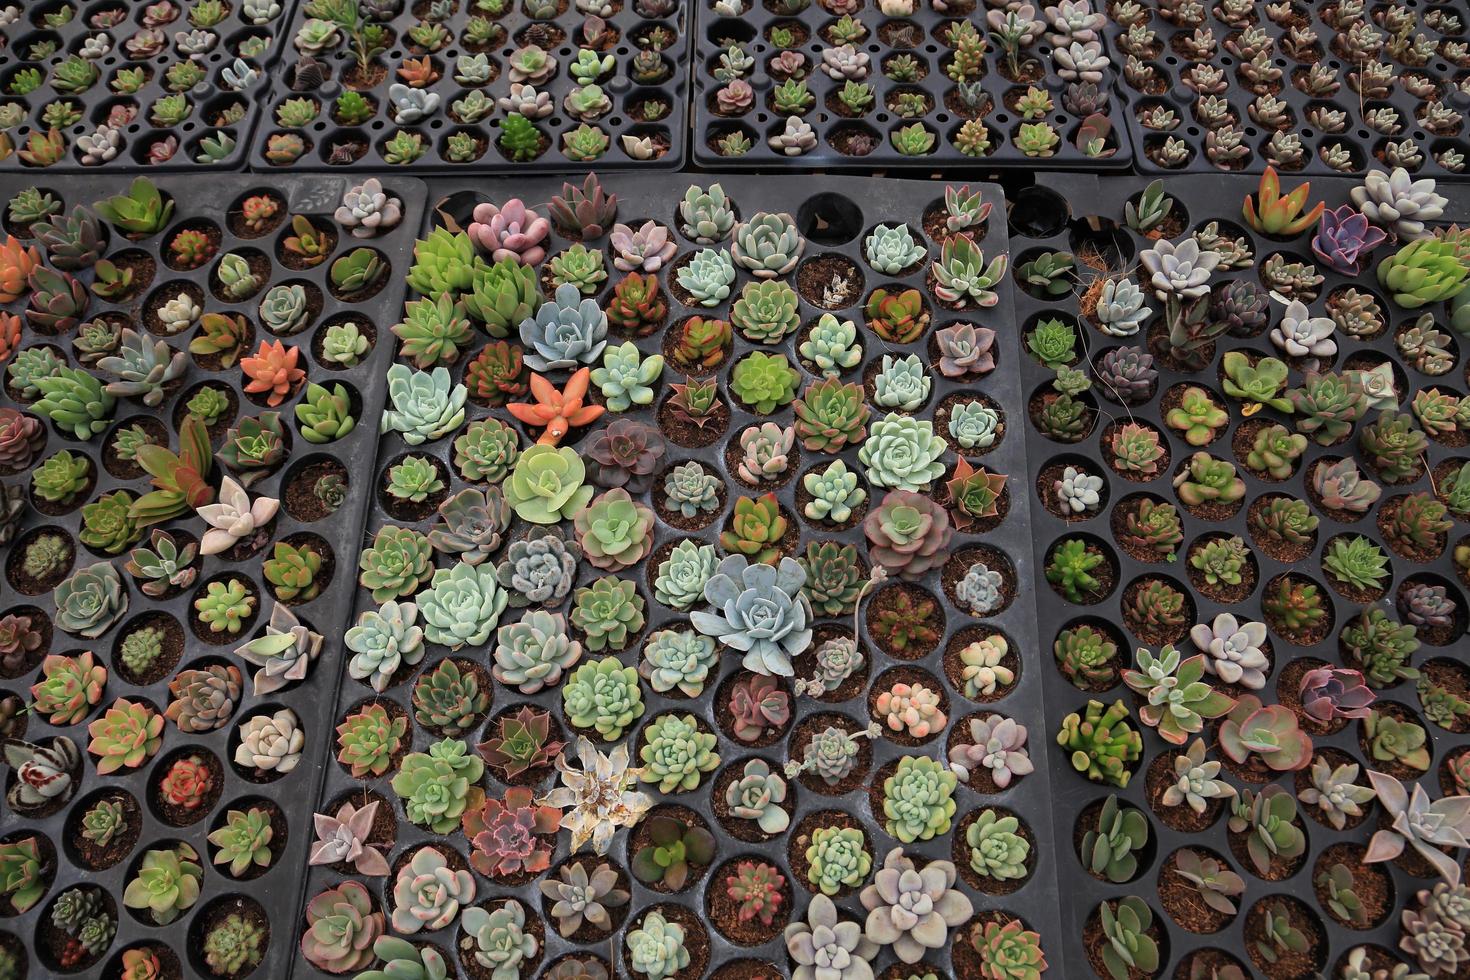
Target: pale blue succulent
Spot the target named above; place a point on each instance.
(498, 940)
(682, 576)
(283, 309)
(761, 612)
(564, 333)
(142, 367)
(1078, 490)
(462, 605)
(973, 425)
(832, 345)
(383, 640)
(626, 377)
(837, 660)
(1120, 308)
(708, 276)
(835, 492)
(901, 383)
(240, 75)
(411, 105)
(472, 69)
(979, 590)
(422, 405)
(690, 490)
(656, 948)
(678, 658)
(891, 250)
(706, 216)
(768, 245)
(902, 453)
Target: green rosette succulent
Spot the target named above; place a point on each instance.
(166, 884)
(398, 561)
(766, 311)
(676, 754)
(608, 612)
(437, 786)
(902, 453)
(603, 695)
(546, 486)
(90, 601)
(918, 799)
(680, 579)
(764, 381)
(462, 605)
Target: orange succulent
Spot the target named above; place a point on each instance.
(418, 72)
(16, 263)
(9, 335)
(558, 411)
(272, 371)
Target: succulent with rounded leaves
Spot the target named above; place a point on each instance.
(835, 492)
(678, 658)
(1335, 792)
(974, 425)
(832, 345)
(568, 331)
(891, 250)
(766, 311)
(546, 485)
(708, 276)
(72, 399)
(272, 743)
(1194, 781)
(1101, 742)
(1265, 732)
(1233, 650)
(428, 894)
(614, 531)
(757, 704)
(625, 377)
(461, 605)
(498, 940)
(510, 231)
(997, 746)
(203, 699)
(1398, 203)
(835, 578)
(824, 946)
(1077, 491)
(996, 848)
(341, 927)
(768, 245)
(49, 774)
(757, 796)
(1268, 820)
(603, 695)
(437, 787)
(1177, 700)
(1085, 656)
(983, 670)
(1299, 334)
(656, 948)
(607, 612)
(423, 406)
(681, 577)
(762, 612)
(707, 215)
(166, 883)
(795, 138)
(578, 896)
(512, 835)
(918, 799)
(1415, 821)
(831, 755)
(912, 910)
(902, 453)
(398, 562)
(830, 414)
(1109, 847)
(965, 350)
(837, 856)
(676, 753)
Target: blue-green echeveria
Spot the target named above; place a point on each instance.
(462, 605)
(565, 333)
(423, 406)
(547, 484)
(761, 612)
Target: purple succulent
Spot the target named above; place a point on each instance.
(1344, 238)
(624, 454)
(1331, 692)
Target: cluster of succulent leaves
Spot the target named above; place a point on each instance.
(508, 82)
(168, 631)
(810, 69)
(547, 497)
(92, 88)
(1398, 75)
(1264, 550)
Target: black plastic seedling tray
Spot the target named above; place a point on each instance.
(1169, 60)
(1076, 213)
(274, 893)
(627, 23)
(836, 129)
(835, 215)
(208, 98)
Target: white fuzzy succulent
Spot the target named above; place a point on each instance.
(1299, 334)
(525, 100)
(1077, 490)
(100, 145)
(179, 313)
(96, 46)
(1233, 650)
(233, 517)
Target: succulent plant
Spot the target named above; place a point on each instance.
(656, 948)
(166, 883)
(341, 927)
(918, 799)
(1101, 742)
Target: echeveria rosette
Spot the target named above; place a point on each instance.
(918, 799)
(341, 927)
(762, 613)
(827, 948)
(913, 909)
(546, 486)
(902, 453)
(565, 333)
(462, 605)
(909, 533)
(614, 530)
(423, 406)
(1344, 239)
(90, 601)
(1177, 699)
(603, 695)
(383, 640)
(438, 785)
